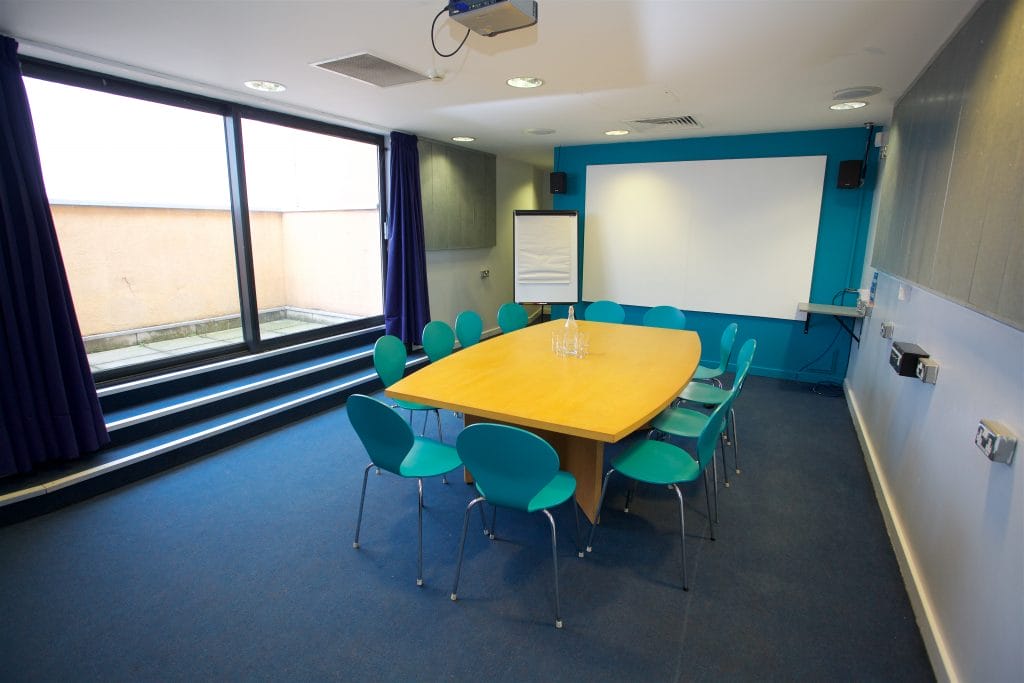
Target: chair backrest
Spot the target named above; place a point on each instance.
(389, 358)
(665, 316)
(725, 345)
(744, 359)
(510, 465)
(605, 311)
(438, 340)
(512, 317)
(469, 326)
(715, 425)
(386, 437)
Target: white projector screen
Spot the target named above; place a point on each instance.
(546, 248)
(733, 236)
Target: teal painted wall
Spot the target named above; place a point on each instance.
(783, 350)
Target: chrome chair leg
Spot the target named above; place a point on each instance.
(419, 534)
(462, 546)
(714, 476)
(576, 510)
(630, 492)
(362, 497)
(597, 513)
(483, 520)
(735, 440)
(725, 466)
(554, 558)
(707, 498)
(682, 534)
(440, 437)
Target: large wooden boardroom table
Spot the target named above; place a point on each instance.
(577, 405)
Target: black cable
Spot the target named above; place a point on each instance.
(433, 25)
(838, 295)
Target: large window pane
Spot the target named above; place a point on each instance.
(140, 198)
(315, 222)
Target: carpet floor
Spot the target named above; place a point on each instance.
(240, 566)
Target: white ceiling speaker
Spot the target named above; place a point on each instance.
(858, 92)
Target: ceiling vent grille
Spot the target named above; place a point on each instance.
(371, 69)
(674, 121)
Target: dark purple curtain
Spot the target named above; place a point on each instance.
(48, 406)
(406, 308)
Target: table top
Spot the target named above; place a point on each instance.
(826, 309)
(629, 376)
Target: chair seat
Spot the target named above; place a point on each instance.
(680, 422)
(429, 458)
(705, 372)
(657, 462)
(705, 393)
(558, 490)
(409, 405)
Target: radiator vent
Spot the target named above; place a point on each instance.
(371, 69)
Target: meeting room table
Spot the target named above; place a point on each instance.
(578, 405)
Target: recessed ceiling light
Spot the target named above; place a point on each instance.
(525, 82)
(463, 138)
(616, 132)
(844, 106)
(539, 131)
(265, 86)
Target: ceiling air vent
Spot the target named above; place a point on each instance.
(371, 69)
(671, 121)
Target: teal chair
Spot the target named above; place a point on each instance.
(389, 358)
(711, 395)
(605, 311)
(707, 372)
(469, 327)
(687, 423)
(512, 317)
(518, 470)
(665, 464)
(438, 340)
(665, 316)
(393, 447)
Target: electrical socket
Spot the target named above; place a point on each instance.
(928, 370)
(484, 273)
(995, 441)
(888, 327)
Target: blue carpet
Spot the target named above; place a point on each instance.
(241, 566)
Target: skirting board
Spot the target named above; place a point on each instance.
(935, 644)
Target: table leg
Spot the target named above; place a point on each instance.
(585, 459)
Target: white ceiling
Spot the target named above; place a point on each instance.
(736, 66)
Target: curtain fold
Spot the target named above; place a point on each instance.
(49, 411)
(406, 304)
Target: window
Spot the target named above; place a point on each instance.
(141, 199)
(314, 218)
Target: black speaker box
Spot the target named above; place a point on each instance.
(849, 174)
(558, 181)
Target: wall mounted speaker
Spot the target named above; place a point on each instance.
(558, 182)
(849, 174)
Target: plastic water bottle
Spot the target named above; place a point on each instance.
(571, 334)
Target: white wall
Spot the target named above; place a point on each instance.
(956, 519)
(453, 276)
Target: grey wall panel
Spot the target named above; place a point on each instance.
(951, 216)
(459, 196)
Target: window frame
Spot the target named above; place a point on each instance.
(232, 114)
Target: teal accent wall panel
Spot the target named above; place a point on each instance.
(459, 196)
(783, 349)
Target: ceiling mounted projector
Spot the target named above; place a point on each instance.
(491, 17)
